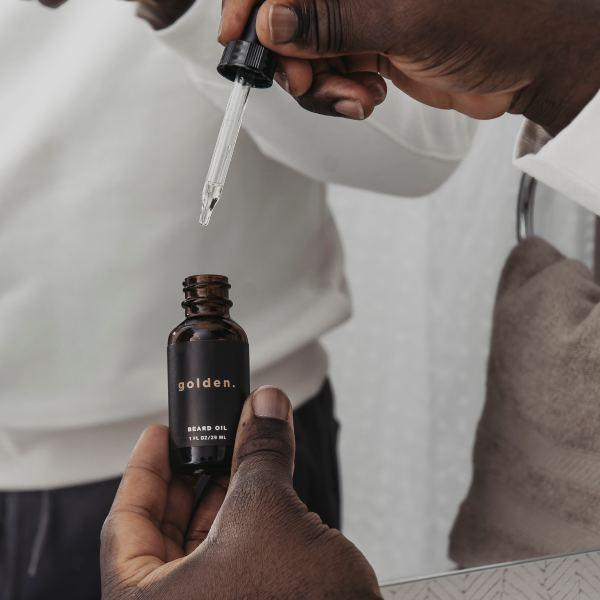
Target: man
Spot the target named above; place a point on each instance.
(105, 144)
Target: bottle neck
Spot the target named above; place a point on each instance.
(206, 295)
(195, 307)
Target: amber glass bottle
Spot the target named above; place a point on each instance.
(209, 379)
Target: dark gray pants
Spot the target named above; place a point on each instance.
(50, 540)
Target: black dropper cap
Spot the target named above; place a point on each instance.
(250, 55)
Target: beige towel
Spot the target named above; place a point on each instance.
(536, 461)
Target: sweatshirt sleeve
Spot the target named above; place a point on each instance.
(404, 148)
(569, 162)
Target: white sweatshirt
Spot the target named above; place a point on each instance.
(570, 162)
(104, 146)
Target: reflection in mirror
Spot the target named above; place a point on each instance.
(441, 470)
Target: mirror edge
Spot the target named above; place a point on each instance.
(539, 579)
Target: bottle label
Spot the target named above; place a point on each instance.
(208, 384)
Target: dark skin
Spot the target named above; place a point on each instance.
(539, 58)
(159, 13)
(248, 538)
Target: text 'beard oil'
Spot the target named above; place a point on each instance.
(209, 379)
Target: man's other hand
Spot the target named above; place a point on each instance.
(251, 539)
(159, 13)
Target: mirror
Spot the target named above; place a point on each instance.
(409, 369)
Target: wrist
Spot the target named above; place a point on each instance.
(160, 14)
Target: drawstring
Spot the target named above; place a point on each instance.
(41, 533)
(10, 545)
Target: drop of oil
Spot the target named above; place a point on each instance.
(211, 194)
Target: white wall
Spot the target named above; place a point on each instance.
(409, 368)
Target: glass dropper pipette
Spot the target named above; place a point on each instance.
(219, 164)
(248, 64)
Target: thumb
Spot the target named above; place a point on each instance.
(313, 28)
(265, 445)
(263, 458)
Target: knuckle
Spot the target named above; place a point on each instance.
(269, 440)
(321, 25)
(312, 103)
(265, 497)
(319, 98)
(307, 33)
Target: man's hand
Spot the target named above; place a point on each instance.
(481, 57)
(159, 13)
(253, 540)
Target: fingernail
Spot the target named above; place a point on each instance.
(283, 24)
(282, 79)
(350, 108)
(269, 401)
(378, 92)
(220, 29)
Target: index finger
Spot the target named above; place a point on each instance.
(132, 539)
